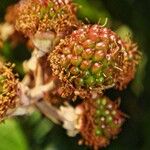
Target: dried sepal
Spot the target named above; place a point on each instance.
(71, 119)
(8, 89)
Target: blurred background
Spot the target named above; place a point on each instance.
(35, 132)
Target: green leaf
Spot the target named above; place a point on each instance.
(11, 136)
(90, 11)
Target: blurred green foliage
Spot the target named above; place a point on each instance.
(126, 17)
(11, 136)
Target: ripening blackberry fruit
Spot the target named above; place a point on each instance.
(46, 15)
(8, 90)
(101, 120)
(93, 58)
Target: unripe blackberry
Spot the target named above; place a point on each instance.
(100, 121)
(46, 15)
(91, 59)
(8, 90)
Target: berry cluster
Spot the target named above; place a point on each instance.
(86, 60)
